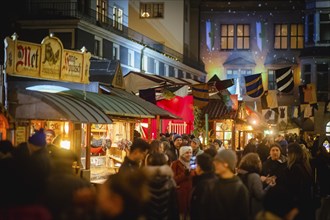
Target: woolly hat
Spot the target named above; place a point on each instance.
(227, 156)
(176, 137)
(184, 149)
(196, 140)
(38, 138)
(275, 145)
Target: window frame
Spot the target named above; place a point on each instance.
(101, 11)
(298, 37)
(281, 36)
(99, 51)
(117, 18)
(152, 10)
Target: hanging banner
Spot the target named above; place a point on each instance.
(47, 60)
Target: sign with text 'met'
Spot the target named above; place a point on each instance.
(48, 60)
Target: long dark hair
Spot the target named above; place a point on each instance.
(298, 154)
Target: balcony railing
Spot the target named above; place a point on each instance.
(69, 10)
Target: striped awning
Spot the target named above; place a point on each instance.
(55, 106)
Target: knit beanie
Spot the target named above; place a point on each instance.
(227, 156)
(38, 138)
(176, 137)
(184, 149)
(196, 140)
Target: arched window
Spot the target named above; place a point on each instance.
(327, 129)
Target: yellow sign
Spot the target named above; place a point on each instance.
(47, 60)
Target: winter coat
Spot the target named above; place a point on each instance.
(183, 179)
(228, 199)
(163, 204)
(274, 168)
(198, 195)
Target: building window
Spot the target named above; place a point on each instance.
(307, 74)
(130, 58)
(227, 36)
(243, 36)
(271, 80)
(101, 10)
(325, 27)
(223, 132)
(97, 46)
(322, 77)
(145, 63)
(151, 10)
(296, 36)
(310, 28)
(156, 66)
(239, 81)
(281, 36)
(117, 18)
(115, 52)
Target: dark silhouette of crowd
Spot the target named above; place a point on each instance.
(173, 178)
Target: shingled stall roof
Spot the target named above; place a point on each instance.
(217, 110)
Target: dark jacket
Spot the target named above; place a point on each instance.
(128, 164)
(199, 199)
(163, 204)
(228, 200)
(274, 168)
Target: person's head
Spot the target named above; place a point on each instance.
(37, 140)
(154, 146)
(177, 141)
(50, 135)
(275, 151)
(195, 143)
(217, 143)
(204, 163)
(251, 163)
(211, 151)
(297, 154)
(123, 194)
(156, 159)
(164, 145)
(6, 146)
(139, 149)
(185, 140)
(185, 153)
(225, 162)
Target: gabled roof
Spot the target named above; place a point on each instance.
(216, 109)
(239, 61)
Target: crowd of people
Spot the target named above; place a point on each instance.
(174, 177)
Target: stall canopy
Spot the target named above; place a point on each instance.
(55, 106)
(135, 81)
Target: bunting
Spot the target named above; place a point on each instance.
(307, 94)
(200, 94)
(253, 84)
(269, 99)
(148, 95)
(224, 84)
(284, 79)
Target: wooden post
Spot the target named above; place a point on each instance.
(157, 126)
(149, 130)
(88, 146)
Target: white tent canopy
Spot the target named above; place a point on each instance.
(135, 81)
